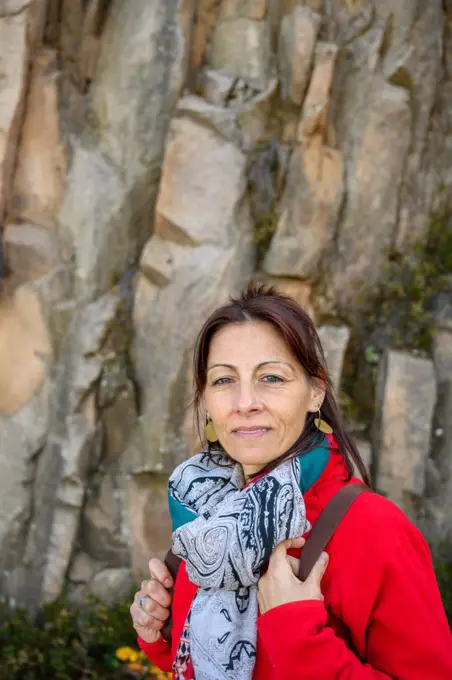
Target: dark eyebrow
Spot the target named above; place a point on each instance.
(263, 363)
(221, 365)
(285, 363)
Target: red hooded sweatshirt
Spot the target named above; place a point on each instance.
(382, 618)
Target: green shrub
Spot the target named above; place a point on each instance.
(405, 307)
(444, 576)
(66, 643)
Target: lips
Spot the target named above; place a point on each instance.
(250, 431)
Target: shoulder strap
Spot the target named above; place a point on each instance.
(172, 562)
(326, 525)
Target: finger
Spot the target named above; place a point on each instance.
(159, 571)
(151, 607)
(280, 552)
(318, 570)
(142, 620)
(156, 591)
(294, 564)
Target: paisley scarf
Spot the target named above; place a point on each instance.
(226, 531)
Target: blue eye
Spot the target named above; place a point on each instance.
(222, 381)
(272, 379)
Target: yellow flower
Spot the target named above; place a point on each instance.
(137, 668)
(125, 653)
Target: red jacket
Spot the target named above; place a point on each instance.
(379, 582)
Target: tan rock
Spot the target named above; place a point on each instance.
(97, 227)
(407, 394)
(74, 448)
(216, 87)
(70, 39)
(205, 20)
(315, 109)
(93, 24)
(30, 251)
(119, 178)
(241, 48)
(149, 520)
(197, 203)
(248, 9)
(298, 290)
(288, 6)
(365, 451)
(14, 54)
(334, 341)
(308, 213)
(244, 121)
(253, 116)
(41, 164)
(118, 422)
(132, 102)
(442, 354)
(297, 39)
(24, 349)
(82, 569)
(112, 585)
(100, 523)
(22, 437)
(436, 521)
(381, 141)
(159, 259)
(203, 226)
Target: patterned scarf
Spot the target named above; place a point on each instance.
(226, 533)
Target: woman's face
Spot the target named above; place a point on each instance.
(257, 393)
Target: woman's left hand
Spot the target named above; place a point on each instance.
(280, 585)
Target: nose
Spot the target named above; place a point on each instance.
(247, 398)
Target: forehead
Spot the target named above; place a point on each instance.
(254, 341)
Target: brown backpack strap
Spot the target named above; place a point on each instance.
(326, 525)
(172, 562)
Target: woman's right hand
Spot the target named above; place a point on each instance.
(149, 617)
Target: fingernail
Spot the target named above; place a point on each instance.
(167, 583)
(323, 558)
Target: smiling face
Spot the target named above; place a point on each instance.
(257, 393)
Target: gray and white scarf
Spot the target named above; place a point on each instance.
(226, 532)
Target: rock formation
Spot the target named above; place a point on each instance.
(155, 158)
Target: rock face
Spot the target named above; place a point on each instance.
(437, 521)
(296, 51)
(334, 341)
(154, 158)
(201, 251)
(406, 402)
(41, 161)
(314, 191)
(14, 56)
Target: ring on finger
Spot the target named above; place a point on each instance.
(142, 600)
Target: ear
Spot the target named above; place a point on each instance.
(318, 391)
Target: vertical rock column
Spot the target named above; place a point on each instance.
(104, 221)
(202, 250)
(406, 399)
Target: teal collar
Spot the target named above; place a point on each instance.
(312, 464)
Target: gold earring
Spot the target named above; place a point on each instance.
(322, 425)
(210, 433)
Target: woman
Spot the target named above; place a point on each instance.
(370, 609)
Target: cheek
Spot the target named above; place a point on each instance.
(293, 416)
(217, 406)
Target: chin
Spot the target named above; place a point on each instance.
(250, 457)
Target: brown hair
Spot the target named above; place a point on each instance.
(260, 303)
